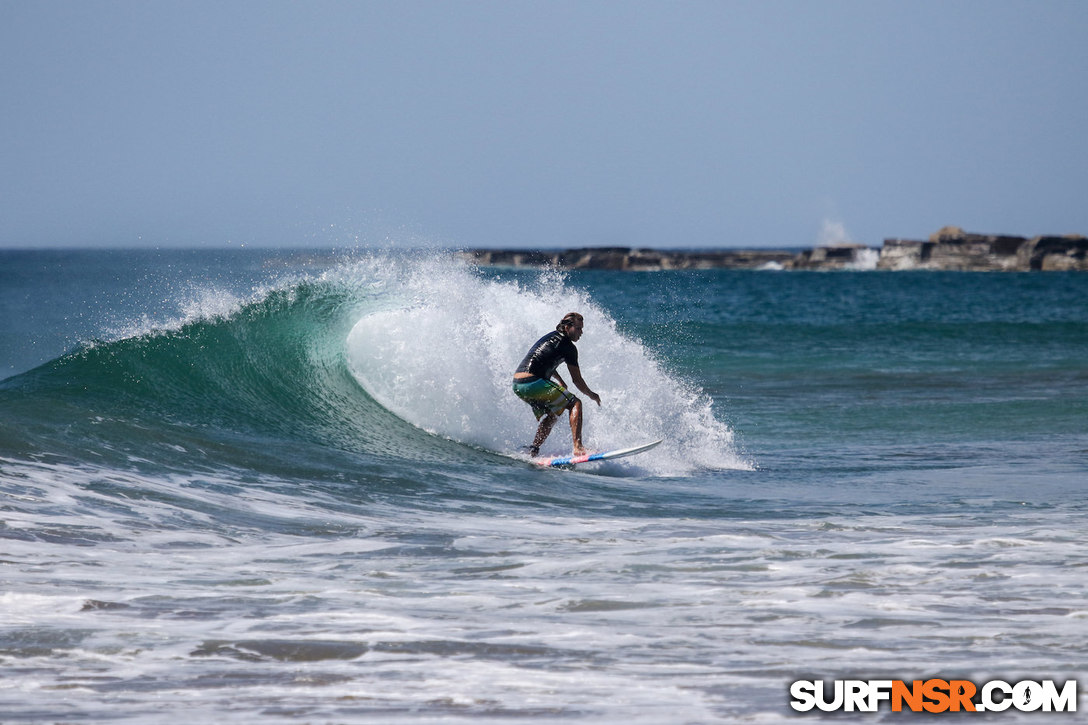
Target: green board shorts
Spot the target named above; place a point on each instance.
(544, 396)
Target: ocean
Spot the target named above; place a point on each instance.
(286, 486)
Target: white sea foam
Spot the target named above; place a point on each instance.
(509, 614)
(441, 355)
(865, 260)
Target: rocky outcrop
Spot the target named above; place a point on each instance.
(838, 256)
(642, 260)
(1055, 254)
(951, 248)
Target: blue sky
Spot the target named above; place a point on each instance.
(776, 123)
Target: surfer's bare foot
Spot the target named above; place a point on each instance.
(579, 451)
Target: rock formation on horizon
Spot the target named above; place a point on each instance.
(950, 248)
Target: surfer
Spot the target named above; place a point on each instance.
(533, 382)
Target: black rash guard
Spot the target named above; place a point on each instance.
(546, 355)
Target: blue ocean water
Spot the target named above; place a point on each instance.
(286, 486)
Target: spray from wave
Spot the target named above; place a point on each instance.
(834, 234)
(441, 355)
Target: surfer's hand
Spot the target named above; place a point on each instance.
(595, 398)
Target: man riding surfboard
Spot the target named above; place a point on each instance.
(533, 381)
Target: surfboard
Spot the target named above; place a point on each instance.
(589, 457)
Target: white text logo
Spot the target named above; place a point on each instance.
(933, 695)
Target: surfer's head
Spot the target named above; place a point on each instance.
(571, 325)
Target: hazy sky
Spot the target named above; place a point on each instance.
(548, 124)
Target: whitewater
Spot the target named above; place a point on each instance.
(440, 355)
(289, 487)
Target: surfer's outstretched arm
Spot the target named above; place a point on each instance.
(576, 377)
